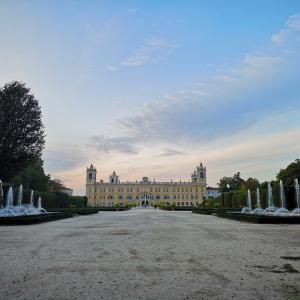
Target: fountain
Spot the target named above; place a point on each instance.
(8, 210)
(1, 194)
(40, 209)
(31, 198)
(270, 215)
(282, 210)
(247, 210)
(271, 209)
(20, 210)
(296, 211)
(258, 210)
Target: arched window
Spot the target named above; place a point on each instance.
(201, 175)
(90, 175)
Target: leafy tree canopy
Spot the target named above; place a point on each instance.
(33, 177)
(251, 184)
(56, 185)
(231, 183)
(21, 129)
(289, 174)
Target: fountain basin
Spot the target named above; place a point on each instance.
(261, 219)
(33, 219)
(257, 211)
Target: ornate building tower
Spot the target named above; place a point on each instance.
(91, 175)
(114, 178)
(199, 175)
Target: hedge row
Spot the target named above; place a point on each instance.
(209, 211)
(49, 200)
(181, 208)
(34, 219)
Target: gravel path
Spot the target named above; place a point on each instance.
(149, 254)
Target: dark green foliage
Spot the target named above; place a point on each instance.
(211, 203)
(33, 177)
(21, 129)
(289, 174)
(209, 211)
(34, 219)
(231, 183)
(113, 208)
(251, 184)
(177, 208)
(77, 211)
(56, 185)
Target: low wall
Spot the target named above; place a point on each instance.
(210, 211)
(34, 219)
(260, 219)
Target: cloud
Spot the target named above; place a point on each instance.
(258, 87)
(132, 10)
(291, 27)
(153, 49)
(170, 152)
(111, 68)
(66, 159)
(113, 145)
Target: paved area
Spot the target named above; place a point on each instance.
(149, 254)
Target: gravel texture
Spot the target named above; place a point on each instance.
(149, 254)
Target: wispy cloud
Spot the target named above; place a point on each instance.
(170, 152)
(112, 68)
(258, 87)
(113, 145)
(65, 159)
(291, 27)
(153, 49)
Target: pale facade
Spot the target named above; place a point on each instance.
(213, 192)
(142, 192)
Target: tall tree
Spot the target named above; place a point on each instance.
(56, 185)
(289, 174)
(231, 183)
(251, 184)
(33, 177)
(21, 129)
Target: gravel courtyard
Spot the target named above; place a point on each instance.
(149, 254)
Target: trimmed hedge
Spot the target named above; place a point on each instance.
(112, 208)
(178, 208)
(210, 211)
(78, 211)
(34, 219)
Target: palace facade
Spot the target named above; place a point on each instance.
(145, 192)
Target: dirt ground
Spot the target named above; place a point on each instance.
(149, 254)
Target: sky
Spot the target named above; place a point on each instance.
(153, 88)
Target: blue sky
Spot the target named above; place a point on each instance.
(153, 87)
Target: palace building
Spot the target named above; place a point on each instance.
(145, 192)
